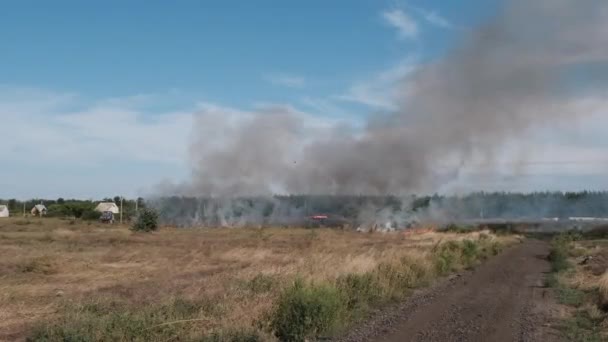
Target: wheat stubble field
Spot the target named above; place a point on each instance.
(73, 280)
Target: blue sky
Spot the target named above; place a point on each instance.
(96, 98)
(210, 49)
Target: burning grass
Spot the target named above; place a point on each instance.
(85, 281)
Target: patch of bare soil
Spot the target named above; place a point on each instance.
(502, 300)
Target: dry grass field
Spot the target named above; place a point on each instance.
(73, 280)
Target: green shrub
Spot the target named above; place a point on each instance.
(552, 280)
(358, 291)
(571, 297)
(447, 257)
(90, 215)
(305, 311)
(147, 221)
(470, 252)
(558, 255)
(582, 328)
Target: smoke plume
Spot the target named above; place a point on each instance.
(530, 66)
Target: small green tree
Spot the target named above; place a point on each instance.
(146, 221)
(90, 214)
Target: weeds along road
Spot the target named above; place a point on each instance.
(501, 300)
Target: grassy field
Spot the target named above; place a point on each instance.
(580, 279)
(73, 280)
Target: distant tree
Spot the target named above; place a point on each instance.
(60, 200)
(147, 221)
(12, 204)
(141, 203)
(117, 199)
(90, 214)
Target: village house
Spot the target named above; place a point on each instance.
(39, 210)
(107, 206)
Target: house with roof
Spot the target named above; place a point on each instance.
(107, 206)
(39, 210)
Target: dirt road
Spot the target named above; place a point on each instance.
(502, 300)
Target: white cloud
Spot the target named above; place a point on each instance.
(382, 90)
(435, 18)
(57, 128)
(58, 144)
(403, 22)
(286, 80)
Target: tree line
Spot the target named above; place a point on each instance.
(498, 205)
(76, 208)
(504, 205)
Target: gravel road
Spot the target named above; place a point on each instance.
(501, 300)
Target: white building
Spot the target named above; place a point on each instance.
(39, 210)
(4, 211)
(108, 206)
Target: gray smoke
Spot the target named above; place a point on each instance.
(528, 67)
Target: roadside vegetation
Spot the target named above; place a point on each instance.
(92, 282)
(580, 279)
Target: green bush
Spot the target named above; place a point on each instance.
(446, 259)
(146, 221)
(582, 328)
(470, 252)
(90, 215)
(558, 255)
(571, 297)
(305, 311)
(358, 291)
(76, 209)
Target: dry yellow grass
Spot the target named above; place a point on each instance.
(603, 290)
(47, 263)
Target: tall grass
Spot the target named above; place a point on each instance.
(306, 311)
(603, 291)
(561, 246)
(178, 319)
(586, 320)
(93, 282)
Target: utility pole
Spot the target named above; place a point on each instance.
(121, 209)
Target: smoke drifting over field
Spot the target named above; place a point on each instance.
(528, 67)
